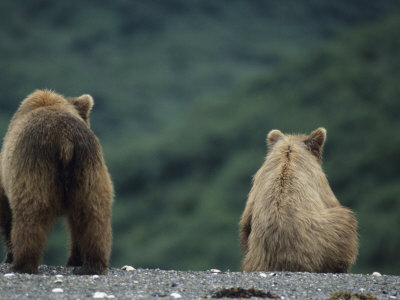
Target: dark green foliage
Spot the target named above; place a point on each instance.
(185, 93)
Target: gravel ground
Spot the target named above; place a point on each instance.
(59, 283)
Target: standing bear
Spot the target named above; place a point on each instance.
(51, 165)
(292, 220)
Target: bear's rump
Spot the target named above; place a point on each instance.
(50, 150)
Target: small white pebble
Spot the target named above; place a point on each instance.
(319, 290)
(176, 295)
(95, 276)
(263, 275)
(272, 274)
(376, 274)
(215, 271)
(57, 290)
(362, 289)
(9, 275)
(59, 276)
(392, 297)
(128, 268)
(282, 297)
(99, 295)
(135, 281)
(58, 281)
(110, 296)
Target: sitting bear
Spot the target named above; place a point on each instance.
(292, 220)
(51, 165)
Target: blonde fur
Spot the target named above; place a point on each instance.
(292, 220)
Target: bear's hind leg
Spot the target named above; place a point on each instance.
(28, 237)
(5, 225)
(90, 247)
(89, 217)
(341, 240)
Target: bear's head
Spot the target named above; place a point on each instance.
(79, 106)
(312, 143)
(83, 105)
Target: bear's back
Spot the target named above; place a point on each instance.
(45, 132)
(49, 139)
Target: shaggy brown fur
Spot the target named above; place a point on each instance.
(292, 220)
(51, 164)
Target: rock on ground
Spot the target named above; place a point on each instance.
(59, 283)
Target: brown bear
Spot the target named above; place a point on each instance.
(51, 164)
(292, 220)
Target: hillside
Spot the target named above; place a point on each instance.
(146, 61)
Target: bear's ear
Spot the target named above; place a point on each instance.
(83, 105)
(274, 136)
(315, 142)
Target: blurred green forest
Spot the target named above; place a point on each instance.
(185, 93)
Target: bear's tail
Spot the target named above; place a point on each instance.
(66, 152)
